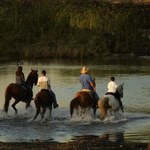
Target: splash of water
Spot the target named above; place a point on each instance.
(82, 117)
(115, 117)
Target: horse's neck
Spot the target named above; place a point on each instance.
(119, 90)
(29, 83)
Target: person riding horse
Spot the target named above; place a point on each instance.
(19, 92)
(112, 90)
(20, 79)
(44, 85)
(88, 84)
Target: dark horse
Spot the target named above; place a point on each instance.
(43, 99)
(84, 101)
(21, 92)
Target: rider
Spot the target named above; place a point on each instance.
(112, 89)
(44, 84)
(20, 79)
(88, 83)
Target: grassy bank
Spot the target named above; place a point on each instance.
(76, 29)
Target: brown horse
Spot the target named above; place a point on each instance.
(21, 92)
(84, 101)
(43, 99)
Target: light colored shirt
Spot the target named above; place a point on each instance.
(112, 86)
(44, 83)
(20, 79)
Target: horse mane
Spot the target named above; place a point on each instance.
(120, 86)
(30, 75)
(120, 89)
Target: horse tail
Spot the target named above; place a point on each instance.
(8, 96)
(37, 105)
(103, 105)
(73, 105)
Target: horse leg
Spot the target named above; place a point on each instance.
(83, 110)
(37, 112)
(50, 112)
(73, 105)
(14, 104)
(78, 110)
(109, 112)
(27, 104)
(94, 110)
(102, 110)
(43, 112)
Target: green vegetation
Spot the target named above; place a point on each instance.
(72, 28)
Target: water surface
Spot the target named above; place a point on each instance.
(64, 75)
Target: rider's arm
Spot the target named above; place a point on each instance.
(93, 85)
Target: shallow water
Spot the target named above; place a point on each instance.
(64, 75)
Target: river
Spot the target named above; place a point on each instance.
(134, 72)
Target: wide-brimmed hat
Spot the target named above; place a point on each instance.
(84, 70)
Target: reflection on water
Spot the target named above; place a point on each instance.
(64, 75)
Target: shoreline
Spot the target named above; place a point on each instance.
(106, 55)
(76, 145)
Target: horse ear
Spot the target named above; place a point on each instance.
(123, 84)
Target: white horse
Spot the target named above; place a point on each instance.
(109, 104)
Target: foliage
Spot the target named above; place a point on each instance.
(64, 28)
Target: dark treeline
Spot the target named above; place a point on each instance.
(72, 28)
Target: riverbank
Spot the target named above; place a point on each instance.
(80, 145)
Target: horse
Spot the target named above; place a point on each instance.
(83, 100)
(21, 92)
(43, 99)
(108, 103)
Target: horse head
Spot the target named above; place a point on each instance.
(32, 78)
(120, 89)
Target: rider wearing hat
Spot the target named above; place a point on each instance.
(88, 83)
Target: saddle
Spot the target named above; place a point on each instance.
(88, 91)
(50, 93)
(91, 94)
